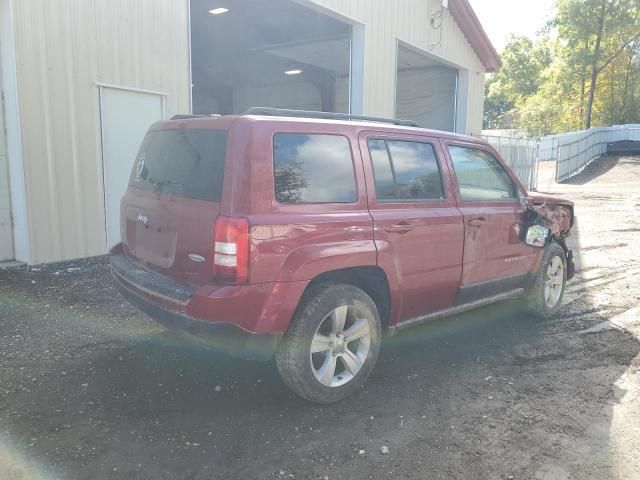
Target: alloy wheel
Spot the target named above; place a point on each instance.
(554, 282)
(340, 346)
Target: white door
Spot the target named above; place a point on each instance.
(126, 115)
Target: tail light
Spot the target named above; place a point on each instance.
(231, 249)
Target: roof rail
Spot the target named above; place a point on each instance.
(181, 116)
(283, 112)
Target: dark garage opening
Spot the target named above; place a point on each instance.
(425, 90)
(272, 53)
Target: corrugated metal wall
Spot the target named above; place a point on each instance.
(63, 49)
(408, 21)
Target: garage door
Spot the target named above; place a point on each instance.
(426, 90)
(126, 115)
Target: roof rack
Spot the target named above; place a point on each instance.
(283, 112)
(181, 116)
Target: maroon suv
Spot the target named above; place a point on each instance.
(307, 235)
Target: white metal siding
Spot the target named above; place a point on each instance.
(63, 49)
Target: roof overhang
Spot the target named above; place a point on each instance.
(466, 18)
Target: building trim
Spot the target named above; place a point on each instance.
(465, 17)
(103, 167)
(427, 53)
(131, 89)
(356, 69)
(17, 179)
(189, 56)
(462, 102)
(398, 43)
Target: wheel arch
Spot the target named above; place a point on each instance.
(370, 279)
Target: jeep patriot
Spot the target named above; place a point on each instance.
(306, 235)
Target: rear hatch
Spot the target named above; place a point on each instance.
(173, 200)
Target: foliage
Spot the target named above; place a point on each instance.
(583, 71)
(523, 63)
(290, 182)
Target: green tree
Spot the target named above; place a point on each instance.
(583, 70)
(289, 182)
(496, 104)
(595, 34)
(523, 62)
(551, 109)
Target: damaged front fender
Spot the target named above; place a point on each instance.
(557, 213)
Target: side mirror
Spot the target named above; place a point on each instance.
(527, 201)
(537, 236)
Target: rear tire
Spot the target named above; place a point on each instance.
(332, 343)
(544, 298)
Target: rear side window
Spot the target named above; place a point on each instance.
(405, 171)
(480, 175)
(313, 169)
(183, 162)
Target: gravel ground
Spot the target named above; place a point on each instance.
(91, 389)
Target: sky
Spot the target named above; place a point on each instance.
(502, 17)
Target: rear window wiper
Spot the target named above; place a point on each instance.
(158, 184)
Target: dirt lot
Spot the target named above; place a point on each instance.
(90, 389)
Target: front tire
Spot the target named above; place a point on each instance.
(545, 295)
(332, 344)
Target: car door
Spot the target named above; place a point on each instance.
(418, 229)
(495, 257)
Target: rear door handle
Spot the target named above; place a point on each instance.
(477, 222)
(400, 228)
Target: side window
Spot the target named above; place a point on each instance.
(313, 169)
(405, 170)
(385, 184)
(480, 175)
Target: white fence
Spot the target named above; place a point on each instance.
(573, 151)
(521, 155)
(548, 148)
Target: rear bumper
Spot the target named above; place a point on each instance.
(149, 292)
(224, 336)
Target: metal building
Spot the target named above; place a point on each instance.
(81, 80)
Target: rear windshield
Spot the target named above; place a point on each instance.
(182, 162)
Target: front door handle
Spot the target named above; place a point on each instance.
(477, 222)
(399, 228)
